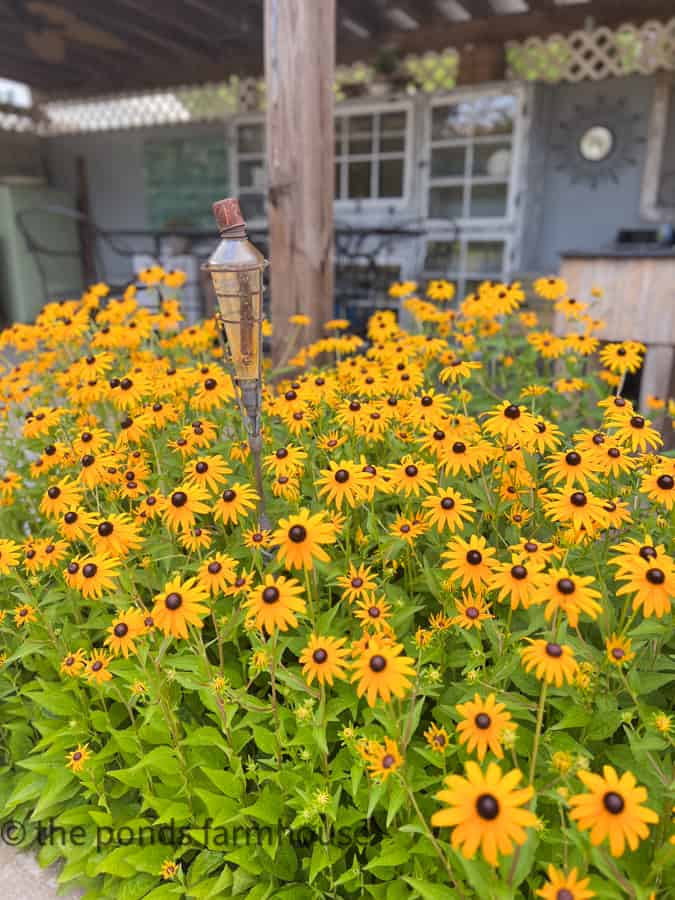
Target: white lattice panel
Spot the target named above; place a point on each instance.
(594, 54)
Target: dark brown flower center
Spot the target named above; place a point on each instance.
(320, 656)
(512, 412)
(578, 498)
(487, 807)
(89, 570)
(270, 595)
(173, 601)
(229, 495)
(447, 503)
(474, 557)
(573, 458)
(472, 612)
(613, 803)
(483, 721)
(518, 572)
(665, 482)
(178, 498)
(377, 663)
(655, 576)
(342, 476)
(105, 529)
(554, 650)
(565, 586)
(411, 471)
(298, 534)
(388, 761)
(121, 629)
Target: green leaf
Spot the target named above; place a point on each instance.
(428, 890)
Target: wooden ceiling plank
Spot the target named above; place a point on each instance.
(512, 27)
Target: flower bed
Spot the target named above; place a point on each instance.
(446, 669)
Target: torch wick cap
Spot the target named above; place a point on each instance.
(227, 214)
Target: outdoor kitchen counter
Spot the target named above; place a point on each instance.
(637, 303)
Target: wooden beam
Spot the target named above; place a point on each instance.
(512, 27)
(479, 9)
(300, 69)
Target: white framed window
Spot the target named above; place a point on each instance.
(372, 150)
(474, 141)
(658, 181)
(467, 260)
(249, 163)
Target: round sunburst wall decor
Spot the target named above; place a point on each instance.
(596, 142)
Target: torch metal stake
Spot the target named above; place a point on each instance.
(251, 398)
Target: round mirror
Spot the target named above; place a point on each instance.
(596, 143)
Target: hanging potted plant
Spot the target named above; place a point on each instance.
(390, 76)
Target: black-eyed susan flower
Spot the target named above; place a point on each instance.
(382, 759)
(115, 535)
(95, 575)
(73, 663)
(565, 886)
(183, 506)
(123, 632)
(275, 603)
(170, 868)
(288, 460)
(652, 582)
(207, 472)
(572, 467)
(552, 662)
(60, 497)
(24, 614)
(195, 539)
(217, 572)
(659, 486)
(482, 725)
(97, 669)
(448, 509)
(182, 603)
(77, 759)
(301, 537)
(562, 590)
(612, 809)
(485, 809)
(342, 482)
(381, 670)
(257, 539)
(411, 477)
(635, 431)
(358, 583)
(581, 509)
(619, 650)
(436, 738)
(76, 524)
(512, 423)
(469, 562)
(325, 659)
(471, 612)
(515, 581)
(373, 612)
(623, 357)
(550, 287)
(234, 503)
(10, 555)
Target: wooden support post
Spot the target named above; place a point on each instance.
(84, 229)
(300, 69)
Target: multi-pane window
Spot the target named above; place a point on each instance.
(370, 155)
(251, 170)
(471, 158)
(466, 261)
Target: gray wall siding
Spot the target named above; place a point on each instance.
(116, 184)
(563, 215)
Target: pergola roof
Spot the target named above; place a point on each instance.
(89, 47)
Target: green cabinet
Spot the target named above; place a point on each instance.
(21, 290)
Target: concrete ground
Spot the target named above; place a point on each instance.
(21, 878)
